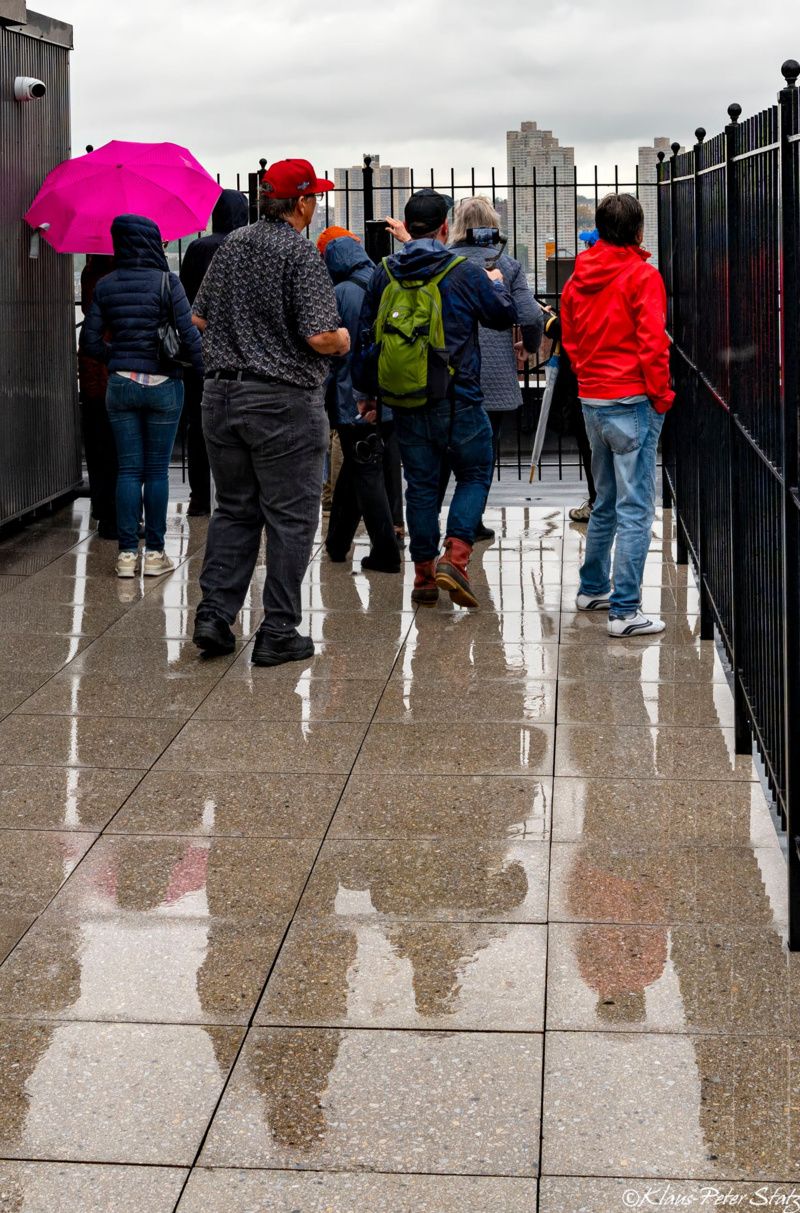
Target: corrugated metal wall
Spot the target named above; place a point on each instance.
(40, 455)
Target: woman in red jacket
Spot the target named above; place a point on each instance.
(613, 316)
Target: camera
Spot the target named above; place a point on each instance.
(28, 88)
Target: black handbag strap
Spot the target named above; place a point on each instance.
(166, 297)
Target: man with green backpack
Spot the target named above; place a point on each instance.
(420, 356)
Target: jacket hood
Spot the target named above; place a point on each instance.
(344, 256)
(601, 264)
(420, 259)
(137, 244)
(230, 212)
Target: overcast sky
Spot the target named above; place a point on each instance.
(422, 83)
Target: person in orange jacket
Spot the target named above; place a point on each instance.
(613, 317)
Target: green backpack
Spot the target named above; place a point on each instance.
(413, 366)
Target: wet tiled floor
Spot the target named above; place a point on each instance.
(468, 913)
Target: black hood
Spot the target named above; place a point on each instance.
(137, 244)
(230, 212)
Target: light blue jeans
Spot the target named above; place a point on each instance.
(624, 439)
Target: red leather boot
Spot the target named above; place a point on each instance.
(451, 572)
(425, 591)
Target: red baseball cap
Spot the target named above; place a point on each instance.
(293, 179)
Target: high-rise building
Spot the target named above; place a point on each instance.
(648, 175)
(541, 221)
(391, 190)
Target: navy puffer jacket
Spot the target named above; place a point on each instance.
(351, 270)
(127, 302)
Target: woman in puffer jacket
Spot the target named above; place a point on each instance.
(499, 375)
(145, 395)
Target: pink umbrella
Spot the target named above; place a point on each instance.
(79, 199)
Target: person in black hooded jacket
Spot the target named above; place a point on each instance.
(145, 395)
(229, 213)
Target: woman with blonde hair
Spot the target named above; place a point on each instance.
(475, 233)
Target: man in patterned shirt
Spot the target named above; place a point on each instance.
(268, 314)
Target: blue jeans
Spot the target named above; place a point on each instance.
(425, 439)
(144, 421)
(624, 439)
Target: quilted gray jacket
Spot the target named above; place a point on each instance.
(499, 378)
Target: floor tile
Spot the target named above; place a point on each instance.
(369, 659)
(49, 798)
(101, 694)
(458, 626)
(148, 659)
(428, 659)
(647, 813)
(59, 587)
(432, 881)
(225, 878)
(266, 806)
(609, 1195)
(641, 661)
(9, 582)
(702, 978)
(470, 749)
(34, 616)
(84, 741)
(661, 752)
(34, 866)
(38, 654)
(408, 701)
(63, 1187)
(136, 966)
(12, 928)
(363, 973)
(262, 745)
(125, 1093)
(400, 1101)
(431, 806)
(229, 1191)
(16, 687)
(612, 883)
(648, 703)
(710, 1107)
(310, 700)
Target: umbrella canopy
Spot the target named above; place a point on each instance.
(80, 198)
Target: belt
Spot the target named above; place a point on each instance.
(241, 377)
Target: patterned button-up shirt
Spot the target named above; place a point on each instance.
(266, 290)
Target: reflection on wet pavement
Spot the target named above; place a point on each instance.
(455, 872)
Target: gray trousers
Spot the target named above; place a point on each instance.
(266, 445)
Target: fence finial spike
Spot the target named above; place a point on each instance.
(367, 161)
(90, 147)
(700, 134)
(263, 162)
(734, 111)
(676, 147)
(660, 156)
(790, 70)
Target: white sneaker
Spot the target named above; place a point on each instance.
(636, 625)
(156, 563)
(593, 602)
(127, 563)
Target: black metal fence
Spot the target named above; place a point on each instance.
(729, 227)
(542, 214)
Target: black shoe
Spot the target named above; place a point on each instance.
(198, 509)
(483, 534)
(375, 565)
(275, 650)
(107, 530)
(336, 556)
(213, 636)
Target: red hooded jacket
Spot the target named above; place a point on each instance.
(613, 326)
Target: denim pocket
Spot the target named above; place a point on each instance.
(621, 429)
